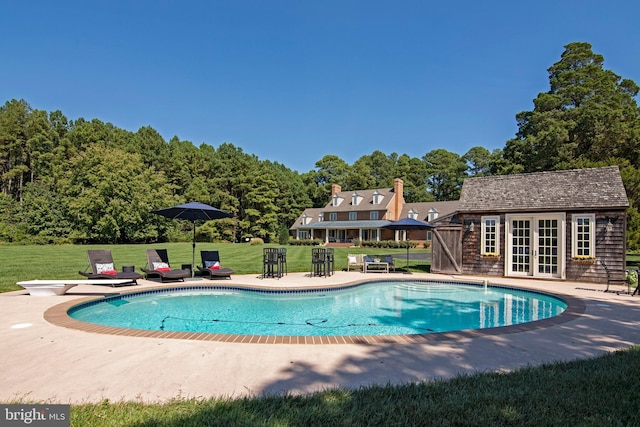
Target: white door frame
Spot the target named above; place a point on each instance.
(536, 241)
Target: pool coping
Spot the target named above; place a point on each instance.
(58, 315)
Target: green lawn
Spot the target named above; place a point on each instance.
(64, 261)
(599, 392)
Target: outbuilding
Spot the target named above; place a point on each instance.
(562, 225)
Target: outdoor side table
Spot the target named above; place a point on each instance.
(186, 267)
(128, 268)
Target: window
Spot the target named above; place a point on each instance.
(412, 214)
(336, 200)
(321, 216)
(490, 235)
(433, 214)
(377, 198)
(583, 235)
(333, 216)
(353, 216)
(355, 199)
(373, 215)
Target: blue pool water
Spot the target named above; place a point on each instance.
(375, 308)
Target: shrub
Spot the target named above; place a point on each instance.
(388, 244)
(256, 241)
(632, 277)
(305, 242)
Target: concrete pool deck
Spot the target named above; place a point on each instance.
(48, 363)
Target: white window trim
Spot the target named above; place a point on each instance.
(376, 197)
(373, 215)
(483, 235)
(592, 235)
(333, 216)
(353, 216)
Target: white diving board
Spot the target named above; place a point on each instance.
(45, 288)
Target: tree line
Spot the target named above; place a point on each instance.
(89, 181)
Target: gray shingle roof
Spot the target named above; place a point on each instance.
(423, 208)
(574, 189)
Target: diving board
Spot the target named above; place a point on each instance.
(43, 288)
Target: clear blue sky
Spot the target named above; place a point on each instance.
(291, 81)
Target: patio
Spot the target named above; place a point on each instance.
(44, 362)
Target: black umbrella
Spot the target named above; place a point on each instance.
(192, 212)
(407, 224)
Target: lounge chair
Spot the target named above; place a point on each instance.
(158, 266)
(356, 260)
(211, 268)
(102, 267)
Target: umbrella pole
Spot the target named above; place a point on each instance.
(193, 251)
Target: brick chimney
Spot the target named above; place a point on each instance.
(335, 188)
(398, 204)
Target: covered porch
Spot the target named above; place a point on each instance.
(345, 231)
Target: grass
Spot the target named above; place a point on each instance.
(64, 261)
(599, 392)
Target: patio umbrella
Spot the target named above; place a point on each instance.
(192, 212)
(407, 224)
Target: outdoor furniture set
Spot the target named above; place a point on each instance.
(369, 263)
(322, 262)
(274, 262)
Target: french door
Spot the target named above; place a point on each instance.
(535, 245)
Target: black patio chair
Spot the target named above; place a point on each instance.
(101, 266)
(211, 267)
(322, 262)
(158, 266)
(271, 263)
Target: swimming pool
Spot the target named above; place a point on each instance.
(379, 308)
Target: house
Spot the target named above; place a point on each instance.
(550, 225)
(361, 214)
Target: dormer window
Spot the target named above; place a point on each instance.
(336, 200)
(355, 199)
(412, 214)
(377, 198)
(305, 219)
(433, 214)
(321, 216)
